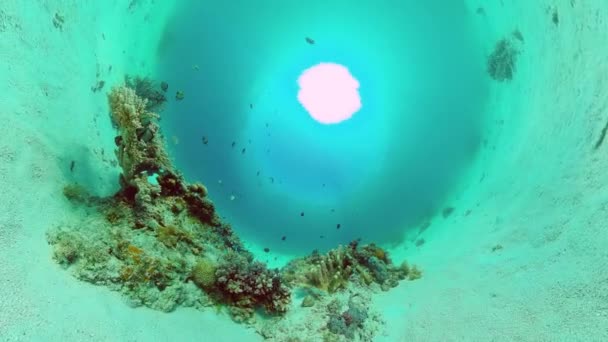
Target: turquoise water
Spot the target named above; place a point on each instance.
(423, 88)
(161, 181)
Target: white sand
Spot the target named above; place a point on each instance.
(542, 196)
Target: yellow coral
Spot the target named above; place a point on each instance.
(331, 273)
(127, 108)
(203, 273)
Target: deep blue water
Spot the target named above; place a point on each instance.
(385, 170)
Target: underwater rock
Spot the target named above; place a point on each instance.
(555, 17)
(501, 64)
(98, 86)
(447, 212)
(58, 21)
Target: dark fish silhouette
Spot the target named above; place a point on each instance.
(310, 41)
(338, 226)
(266, 249)
(302, 214)
(205, 140)
(283, 238)
(72, 165)
(243, 151)
(233, 143)
(251, 106)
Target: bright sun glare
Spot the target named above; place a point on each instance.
(329, 93)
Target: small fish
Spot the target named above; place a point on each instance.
(272, 180)
(283, 238)
(302, 214)
(251, 106)
(233, 143)
(267, 124)
(195, 67)
(310, 41)
(219, 181)
(338, 226)
(322, 236)
(232, 197)
(243, 150)
(205, 140)
(72, 165)
(258, 173)
(266, 249)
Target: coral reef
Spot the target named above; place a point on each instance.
(139, 144)
(351, 320)
(343, 316)
(249, 284)
(333, 271)
(158, 239)
(160, 242)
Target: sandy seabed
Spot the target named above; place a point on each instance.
(523, 257)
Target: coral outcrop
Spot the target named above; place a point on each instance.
(334, 270)
(160, 242)
(502, 62)
(158, 239)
